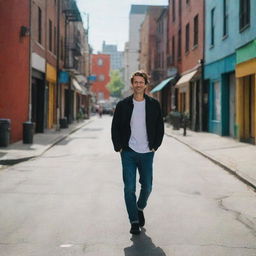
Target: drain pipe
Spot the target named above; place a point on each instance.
(30, 64)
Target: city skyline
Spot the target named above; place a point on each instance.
(114, 28)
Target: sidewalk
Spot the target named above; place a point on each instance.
(18, 152)
(236, 157)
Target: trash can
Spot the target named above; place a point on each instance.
(63, 123)
(28, 132)
(176, 120)
(5, 128)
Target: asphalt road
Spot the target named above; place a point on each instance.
(70, 202)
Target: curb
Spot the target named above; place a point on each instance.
(9, 162)
(217, 162)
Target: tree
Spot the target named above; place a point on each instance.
(116, 84)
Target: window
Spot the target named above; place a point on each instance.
(50, 35)
(196, 30)
(173, 49)
(62, 48)
(212, 26)
(225, 18)
(173, 10)
(179, 44)
(187, 38)
(180, 8)
(55, 41)
(187, 1)
(39, 25)
(244, 14)
(100, 62)
(101, 78)
(216, 93)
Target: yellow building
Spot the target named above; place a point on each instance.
(51, 75)
(246, 93)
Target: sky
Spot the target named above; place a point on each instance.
(109, 20)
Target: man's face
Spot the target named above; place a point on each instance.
(138, 84)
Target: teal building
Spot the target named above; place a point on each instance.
(229, 25)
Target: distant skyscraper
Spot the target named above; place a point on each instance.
(116, 57)
(132, 47)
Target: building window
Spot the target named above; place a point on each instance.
(101, 78)
(212, 26)
(180, 8)
(179, 44)
(55, 41)
(173, 49)
(100, 62)
(187, 38)
(39, 25)
(173, 10)
(196, 24)
(50, 35)
(217, 104)
(187, 2)
(225, 18)
(244, 13)
(62, 49)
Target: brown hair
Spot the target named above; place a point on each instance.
(142, 74)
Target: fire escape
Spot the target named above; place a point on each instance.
(72, 42)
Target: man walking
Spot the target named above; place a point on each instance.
(137, 132)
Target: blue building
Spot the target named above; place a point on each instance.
(229, 25)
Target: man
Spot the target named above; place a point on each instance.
(137, 132)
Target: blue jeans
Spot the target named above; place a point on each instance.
(131, 161)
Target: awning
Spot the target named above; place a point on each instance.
(77, 86)
(160, 86)
(81, 79)
(185, 79)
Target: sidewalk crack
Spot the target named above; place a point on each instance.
(238, 215)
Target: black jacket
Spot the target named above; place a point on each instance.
(121, 130)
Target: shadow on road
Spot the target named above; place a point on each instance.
(143, 246)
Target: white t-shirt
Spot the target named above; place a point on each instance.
(139, 138)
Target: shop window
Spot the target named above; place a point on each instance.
(217, 103)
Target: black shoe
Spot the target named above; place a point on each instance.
(141, 218)
(135, 229)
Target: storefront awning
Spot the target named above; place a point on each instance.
(185, 79)
(81, 79)
(160, 86)
(77, 86)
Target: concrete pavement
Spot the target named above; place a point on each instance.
(69, 201)
(236, 157)
(18, 152)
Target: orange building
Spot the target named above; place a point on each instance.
(101, 69)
